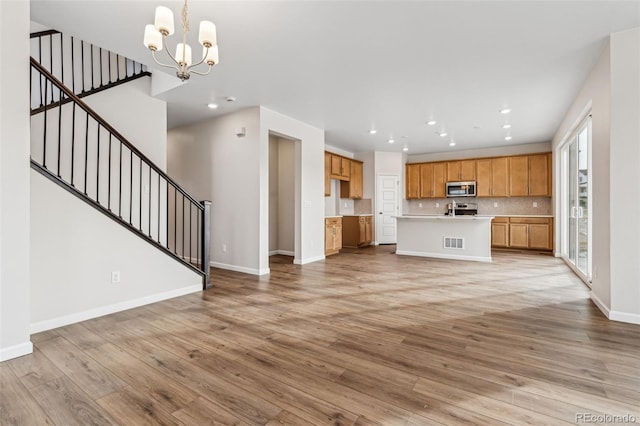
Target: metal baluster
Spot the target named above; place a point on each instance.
(183, 226)
(44, 145)
(73, 140)
(198, 239)
(86, 152)
(73, 68)
(158, 207)
(40, 61)
(118, 64)
(92, 79)
(101, 66)
(140, 195)
(175, 219)
(190, 242)
(131, 187)
(149, 201)
(59, 131)
(61, 60)
(120, 184)
(109, 67)
(98, 168)
(109, 177)
(82, 62)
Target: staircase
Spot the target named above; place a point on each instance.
(74, 147)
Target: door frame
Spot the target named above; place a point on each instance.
(377, 206)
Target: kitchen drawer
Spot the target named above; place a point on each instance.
(500, 220)
(333, 221)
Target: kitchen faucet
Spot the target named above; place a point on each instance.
(453, 207)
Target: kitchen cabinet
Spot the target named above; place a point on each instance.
(433, 180)
(353, 187)
(529, 175)
(332, 235)
(327, 174)
(412, 181)
(340, 167)
(492, 177)
(534, 233)
(461, 171)
(500, 232)
(357, 231)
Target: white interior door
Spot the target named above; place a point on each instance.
(387, 207)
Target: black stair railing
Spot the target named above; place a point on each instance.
(80, 66)
(76, 148)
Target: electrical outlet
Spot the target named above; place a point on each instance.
(437, 204)
(535, 204)
(224, 248)
(115, 277)
(345, 205)
(420, 205)
(495, 204)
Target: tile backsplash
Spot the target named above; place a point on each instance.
(363, 206)
(486, 206)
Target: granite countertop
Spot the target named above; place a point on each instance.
(445, 217)
(332, 217)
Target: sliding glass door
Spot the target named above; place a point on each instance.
(576, 202)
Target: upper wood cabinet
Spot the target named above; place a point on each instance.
(327, 174)
(353, 187)
(530, 175)
(463, 170)
(433, 180)
(340, 167)
(492, 177)
(516, 176)
(412, 181)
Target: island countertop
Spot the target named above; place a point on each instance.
(445, 217)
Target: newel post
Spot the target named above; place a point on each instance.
(206, 244)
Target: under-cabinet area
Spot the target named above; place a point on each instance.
(534, 233)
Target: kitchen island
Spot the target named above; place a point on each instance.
(445, 237)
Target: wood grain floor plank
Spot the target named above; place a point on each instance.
(364, 337)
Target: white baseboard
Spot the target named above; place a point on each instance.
(282, 252)
(111, 309)
(308, 260)
(243, 269)
(444, 256)
(16, 351)
(600, 304)
(624, 317)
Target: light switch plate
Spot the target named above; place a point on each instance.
(535, 204)
(495, 204)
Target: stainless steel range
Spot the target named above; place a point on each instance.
(462, 209)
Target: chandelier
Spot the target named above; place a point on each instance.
(155, 36)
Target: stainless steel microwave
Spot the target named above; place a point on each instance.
(461, 189)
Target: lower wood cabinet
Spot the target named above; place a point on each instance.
(357, 231)
(332, 235)
(534, 233)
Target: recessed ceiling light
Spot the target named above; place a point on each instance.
(506, 126)
(230, 99)
(391, 141)
(373, 131)
(432, 122)
(443, 134)
(405, 149)
(505, 110)
(452, 143)
(212, 106)
(507, 138)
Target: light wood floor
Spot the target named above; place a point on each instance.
(365, 337)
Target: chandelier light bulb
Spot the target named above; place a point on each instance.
(152, 38)
(164, 20)
(183, 53)
(210, 55)
(207, 35)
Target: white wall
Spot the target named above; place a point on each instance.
(211, 162)
(74, 249)
(612, 92)
(14, 180)
(273, 193)
(625, 174)
(309, 185)
(595, 92)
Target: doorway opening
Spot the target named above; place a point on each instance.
(282, 171)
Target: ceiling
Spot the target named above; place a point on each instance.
(352, 66)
